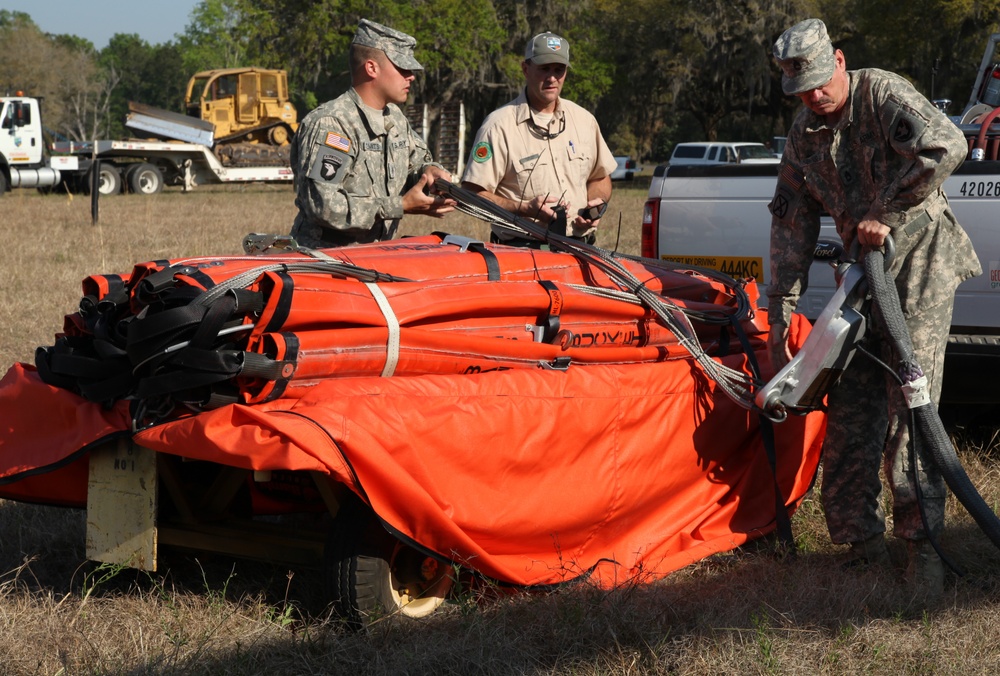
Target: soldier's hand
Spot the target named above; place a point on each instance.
(433, 173)
(777, 346)
(416, 201)
(871, 232)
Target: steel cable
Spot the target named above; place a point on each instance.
(736, 384)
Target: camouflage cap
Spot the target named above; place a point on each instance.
(397, 46)
(547, 48)
(805, 55)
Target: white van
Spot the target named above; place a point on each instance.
(722, 153)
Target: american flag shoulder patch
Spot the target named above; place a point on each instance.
(791, 177)
(338, 142)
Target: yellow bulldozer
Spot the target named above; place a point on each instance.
(243, 114)
(243, 104)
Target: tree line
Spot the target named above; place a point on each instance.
(654, 72)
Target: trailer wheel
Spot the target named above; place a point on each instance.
(109, 180)
(371, 575)
(144, 179)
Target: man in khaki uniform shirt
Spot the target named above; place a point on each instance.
(541, 152)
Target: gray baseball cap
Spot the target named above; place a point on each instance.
(805, 55)
(397, 46)
(547, 48)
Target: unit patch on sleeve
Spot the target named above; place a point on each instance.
(905, 124)
(787, 193)
(329, 165)
(482, 152)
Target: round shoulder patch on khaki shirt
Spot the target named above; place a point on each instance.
(482, 152)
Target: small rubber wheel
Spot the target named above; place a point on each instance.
(371, 575)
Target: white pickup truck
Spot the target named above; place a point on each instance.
(717, 217)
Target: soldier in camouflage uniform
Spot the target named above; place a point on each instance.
(873, 153)
(358, 164)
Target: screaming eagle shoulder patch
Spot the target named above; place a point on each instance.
(482, 152)
(329, 164)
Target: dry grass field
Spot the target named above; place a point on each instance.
(744, 612)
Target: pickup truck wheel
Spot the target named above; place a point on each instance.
(371, 575)
(144, 179)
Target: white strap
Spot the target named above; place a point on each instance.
(321, 255)
(392, 323)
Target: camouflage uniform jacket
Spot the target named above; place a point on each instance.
(352, 164)
(889, 147)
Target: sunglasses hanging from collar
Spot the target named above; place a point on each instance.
(543, 132)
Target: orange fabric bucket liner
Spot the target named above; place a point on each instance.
(627, 463)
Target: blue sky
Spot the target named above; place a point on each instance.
(155, 21)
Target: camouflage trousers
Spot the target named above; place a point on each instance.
(317, 237)
(868, 424)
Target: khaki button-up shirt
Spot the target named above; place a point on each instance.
(513, 160)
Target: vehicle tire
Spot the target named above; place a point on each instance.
(3, 183)
(369, 574)
(109, 181)
(144, 179)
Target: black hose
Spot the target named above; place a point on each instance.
(932, 430)
(929, 430)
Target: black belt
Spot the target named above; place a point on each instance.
(334, 237)
(379, 232)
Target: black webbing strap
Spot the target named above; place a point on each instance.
(492, 262)
(476, 246)
(149, 333)
(550, 324)
(782, 521)
(290, 356)
(96, 370)
(197, 364)
(189, 369)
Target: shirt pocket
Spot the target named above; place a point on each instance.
(825, 185)
(365, 175)
(533, 169)
(579, 163)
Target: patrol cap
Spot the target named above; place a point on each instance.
(397, 46)
(805, 55)
(547, 48)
